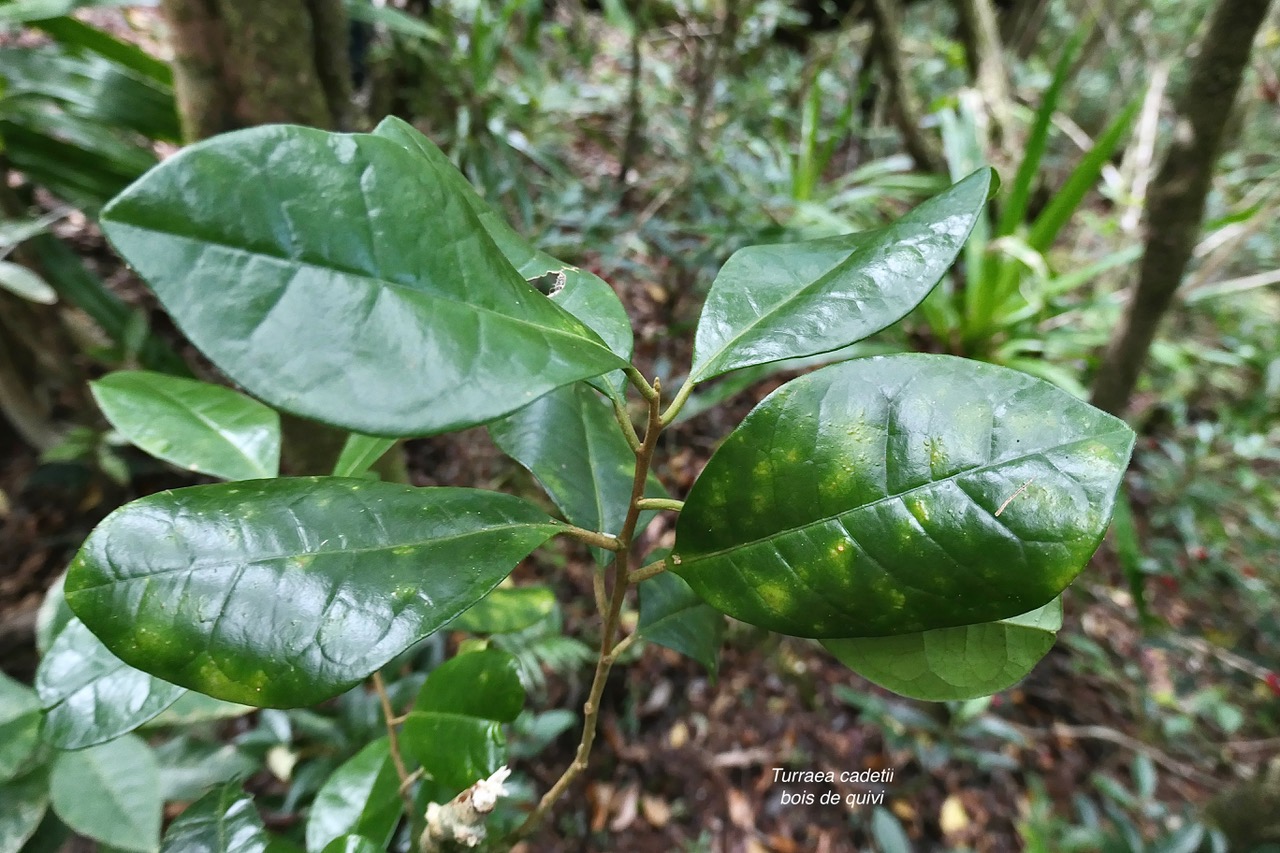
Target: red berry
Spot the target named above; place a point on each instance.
(1273, 682)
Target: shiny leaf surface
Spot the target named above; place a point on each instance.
(360, 797)
(195, 425)
(90, 696)
(484, 684)
(286, 592)
(584, 295)
(328, 294)
(672, 615)
(456, 750)
(901, 494)
(506, 610)
(570, 442)
(223, 821)
(792, 300)
(954, 663)
(110, 793)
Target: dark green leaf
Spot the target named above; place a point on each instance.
(110, 793)
(362, 796)
(954, 663)
(456, 750)
(286, 592)
(672, 615)
(901, 494)
(25, 802)
(19, 728)
(195, 425)
(90, 696)
(792, 300)
(484, 684)
(329, 295)
(506, 610)
(223, 821)
(583, 295)
(571, 442)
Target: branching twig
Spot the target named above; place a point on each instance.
(393, 742)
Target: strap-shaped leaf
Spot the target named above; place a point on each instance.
(285, 592)
(571, 442)
(901, 494)
(90, 696)
(799, 299)
(954, 663)
(584, 295)
(360, 453)
(224, 820)
(195, 425)
(335, 277)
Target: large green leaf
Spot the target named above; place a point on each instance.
(343, 264)
(672, 615)
(360, 797)
(110, 793)
(25, 802)
(224, 820)
(901, 494)
(90, 696)
(484, 684)
(285, 592)
(584, 295)
(19, 728)
(195, 425)
(798, 299)
(954, 663)
(571, 442)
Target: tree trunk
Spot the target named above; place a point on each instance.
(887, 38)
(1175, 203)
(982, 50)
(240, 63)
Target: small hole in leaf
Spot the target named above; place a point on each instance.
(549, 284)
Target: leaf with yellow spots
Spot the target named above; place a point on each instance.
(282, 593)
(901, 494)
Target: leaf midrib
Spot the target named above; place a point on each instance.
(1101, 437)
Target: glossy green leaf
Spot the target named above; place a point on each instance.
(672, 615)
(456, 750)
(484, 684)
(195, 425)
(353, 843)
(954, 663)
(329, 294)
(361, 797)
(24, 802)
(506, 610)
(90, 696)
(286, 592)
(570, 441)
(792, 300)
(359, 454)
(901, 494)
(584, 295)
(194, 707)
(19, 727)
(191, 766)
(224, 820)
(110, 793)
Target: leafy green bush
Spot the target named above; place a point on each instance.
(917, 514)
